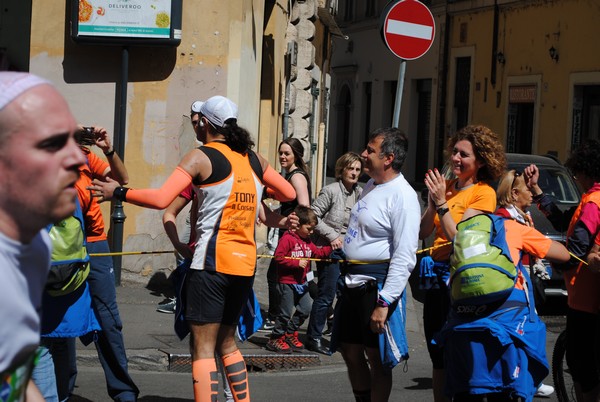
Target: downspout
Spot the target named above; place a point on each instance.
(286, 109)
(291, 61)
(494, 45)
(443, 91)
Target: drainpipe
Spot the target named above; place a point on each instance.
(292, 52)
(494, 45)
(443, 90)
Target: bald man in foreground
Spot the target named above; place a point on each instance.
(39, 162)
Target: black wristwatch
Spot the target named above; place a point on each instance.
(120, 193)
(442, 211)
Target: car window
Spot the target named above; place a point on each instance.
(559, 184)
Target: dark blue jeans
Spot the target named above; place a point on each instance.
(64, 356)
(327, 274)
(110, 345)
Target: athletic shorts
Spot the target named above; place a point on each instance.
(583, 340)
(435, 313)
(213, 297)
(357, 305)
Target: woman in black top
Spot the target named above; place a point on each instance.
(291, 153)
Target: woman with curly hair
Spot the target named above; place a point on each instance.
(476, 157)
(583, 285)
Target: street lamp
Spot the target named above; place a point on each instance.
(500, 57)
(553, 54)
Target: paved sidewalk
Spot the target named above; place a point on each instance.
(149, 335)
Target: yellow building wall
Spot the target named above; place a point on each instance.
(220, 53)
(526, 32)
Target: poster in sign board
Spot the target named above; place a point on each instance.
(123, 21)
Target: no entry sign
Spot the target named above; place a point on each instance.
(409, 29)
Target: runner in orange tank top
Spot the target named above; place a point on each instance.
(228, 178)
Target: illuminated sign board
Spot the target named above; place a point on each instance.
(144, 22)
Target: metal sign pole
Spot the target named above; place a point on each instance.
(118, 215)
(399, 89)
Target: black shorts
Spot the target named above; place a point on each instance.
(435, 313)
(212, 297)
(357, 305)
(583, 334)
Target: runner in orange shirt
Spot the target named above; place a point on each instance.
(228, 178)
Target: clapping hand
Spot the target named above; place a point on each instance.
(436, 184)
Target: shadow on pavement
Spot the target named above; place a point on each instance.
(145, 398)
(421, 383)
(160, 285)
(76, 398)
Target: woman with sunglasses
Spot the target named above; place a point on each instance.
(476, 158)
(514, 198)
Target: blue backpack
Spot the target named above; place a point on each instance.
(482, 272)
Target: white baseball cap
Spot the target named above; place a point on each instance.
(218, 110)
(13, 84)
(195, 108)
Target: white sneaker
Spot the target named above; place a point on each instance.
(169, 307)
(544, 390)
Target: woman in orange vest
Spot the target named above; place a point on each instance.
(583, 285)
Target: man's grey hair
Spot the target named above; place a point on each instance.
(394, 142)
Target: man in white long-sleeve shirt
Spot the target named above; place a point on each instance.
(383, 236)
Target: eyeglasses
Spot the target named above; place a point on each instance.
(195, 122)
(517, 174)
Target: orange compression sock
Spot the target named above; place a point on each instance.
(237, 376)
(205, 380)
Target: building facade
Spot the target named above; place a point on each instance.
(528, 69)
(270, 57)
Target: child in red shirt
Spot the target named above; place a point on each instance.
(293, 274)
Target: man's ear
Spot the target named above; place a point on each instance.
(389, 158)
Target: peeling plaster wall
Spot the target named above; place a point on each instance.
(220, 53)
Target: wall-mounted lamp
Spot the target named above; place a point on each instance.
(553, 54)
(500, 57)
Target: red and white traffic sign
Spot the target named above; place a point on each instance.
(409, 29)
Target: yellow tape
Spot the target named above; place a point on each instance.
(424, 250)
(577, 258)
(121, 253)
(129, 253)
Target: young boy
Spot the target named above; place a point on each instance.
(293, 274)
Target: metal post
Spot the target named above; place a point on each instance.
(399, 89)
(118, 215)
